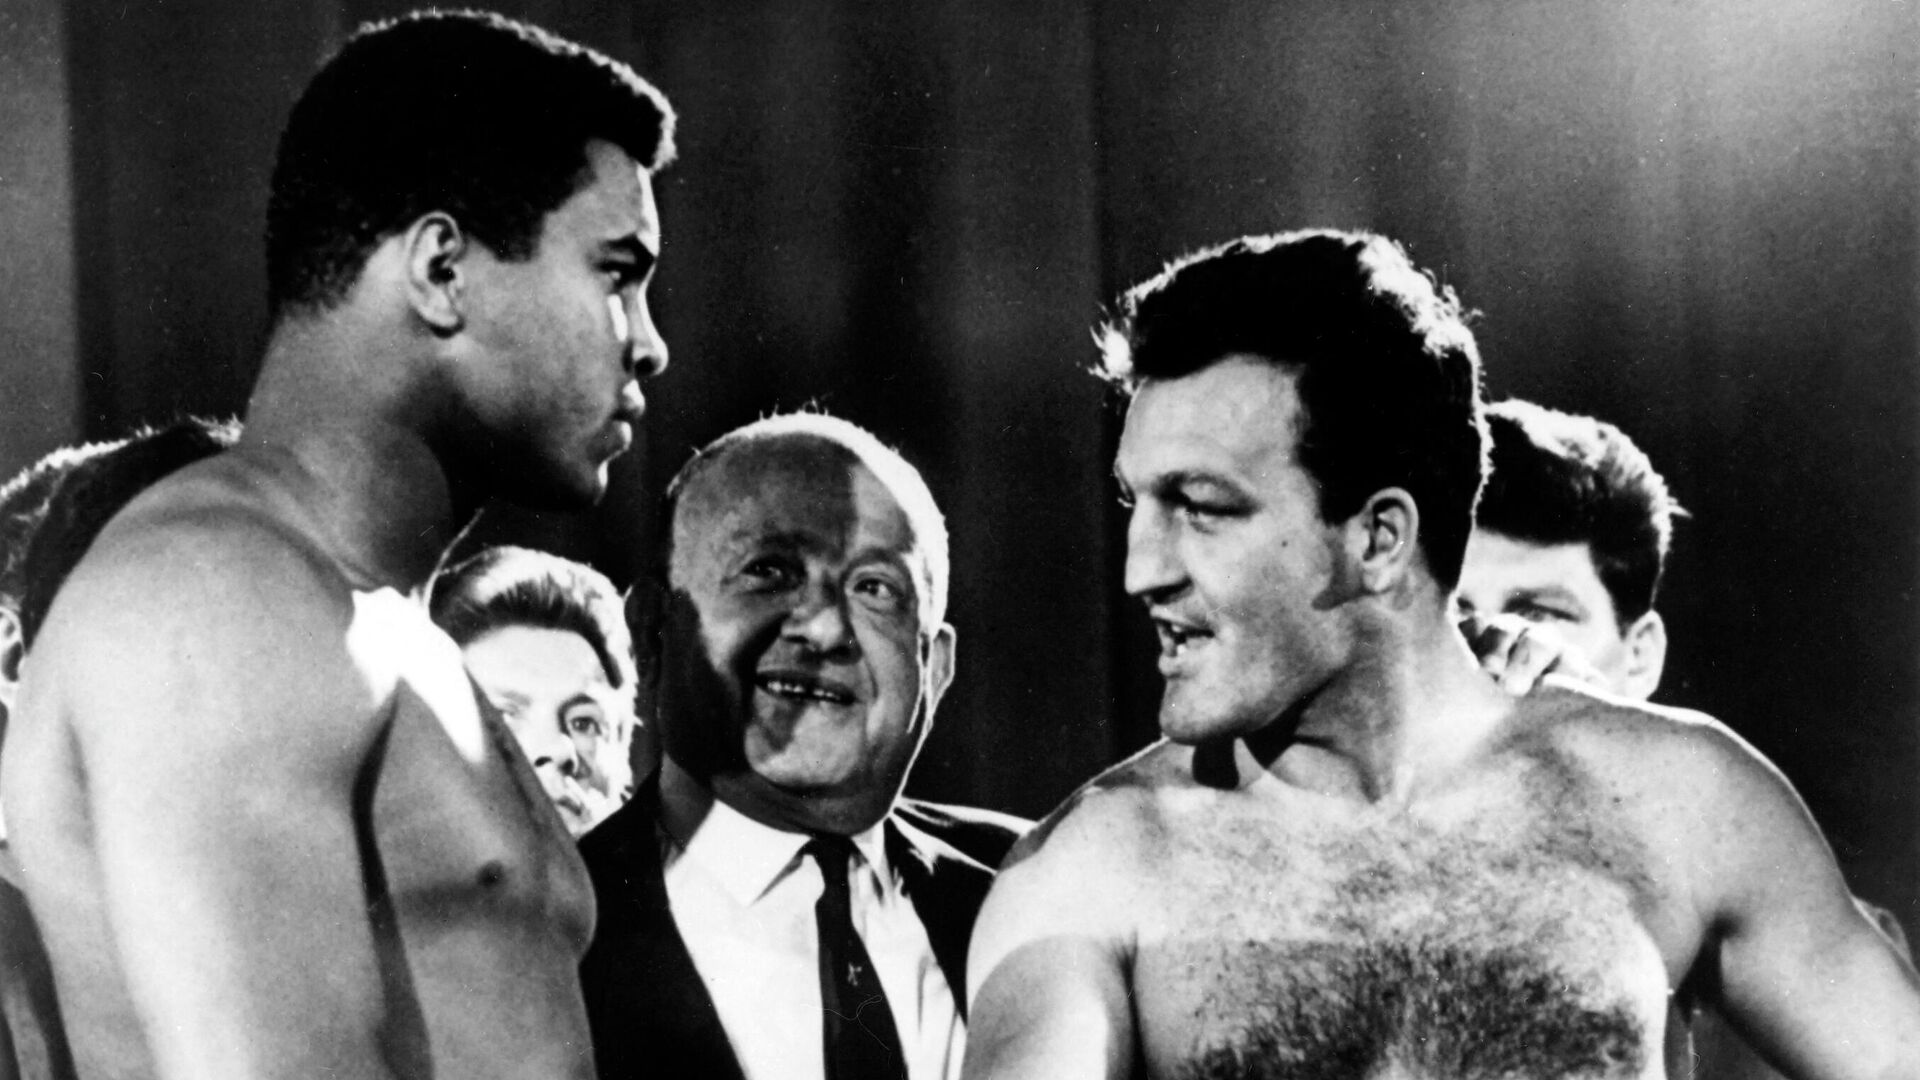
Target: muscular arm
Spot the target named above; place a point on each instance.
(1790, 960)
(222, 729)
(1047, 970)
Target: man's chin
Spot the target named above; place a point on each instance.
(807, 775)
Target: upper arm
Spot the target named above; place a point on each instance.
(221, 726)
(1047, 971)
(1790, 959)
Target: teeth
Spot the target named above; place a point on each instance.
(789, 688)
(1175, 639)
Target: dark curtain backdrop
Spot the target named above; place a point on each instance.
(1697, 220)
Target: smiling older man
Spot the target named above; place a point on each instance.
(772, 907)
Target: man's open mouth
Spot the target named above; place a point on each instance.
(1176, 636)
(801, 687)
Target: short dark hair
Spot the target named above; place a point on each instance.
(470, 113)
(1559, 478)
(23, 506)
(1387, 372)
(515, 586)
(902, 480)
(94, 483)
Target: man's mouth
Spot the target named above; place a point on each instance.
(802, 687)
(566, 794)
(1177, 637)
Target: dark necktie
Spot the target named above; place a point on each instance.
(860, 1038)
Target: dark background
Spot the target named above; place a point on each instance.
(1697, 220)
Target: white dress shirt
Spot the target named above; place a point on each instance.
(743, 896)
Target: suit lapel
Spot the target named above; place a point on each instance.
(650, 1013)
(947, 889)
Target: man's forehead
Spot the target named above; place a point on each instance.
(791, 489)
(1239, 411)
(1496, 561)
(617, 201)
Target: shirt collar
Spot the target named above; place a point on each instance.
(747, 858)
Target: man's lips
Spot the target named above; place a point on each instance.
(1178, 635)
(804, 686)
(566, 794)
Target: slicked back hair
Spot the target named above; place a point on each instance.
(94, 483)
(515, 586)
(1387, 372)
(902, 480)
(1559, 478)
(467, 113)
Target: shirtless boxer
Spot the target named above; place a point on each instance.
(267, 825)
(1355, 855)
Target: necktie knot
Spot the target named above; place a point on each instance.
(831, 854)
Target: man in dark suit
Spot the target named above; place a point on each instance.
(770, 907)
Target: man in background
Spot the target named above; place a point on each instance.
(1356, 855)
(546, 640)
(771, 907)
(1571, 537)
(267, 825)
(49, 514)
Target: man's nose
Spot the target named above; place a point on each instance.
(819, 620)
(1153, 565)
(556, 748)
(646, 349)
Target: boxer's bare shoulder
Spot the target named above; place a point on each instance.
(287, 811)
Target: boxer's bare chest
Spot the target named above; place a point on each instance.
(466, 834)
(1491, 934)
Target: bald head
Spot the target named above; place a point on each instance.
(825, 455)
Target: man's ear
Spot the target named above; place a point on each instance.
(1381, 539)
(1646, 642)
(436, 249)
(942, 645)
(13, 649)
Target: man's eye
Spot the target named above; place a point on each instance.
(1541, 613)
(881, 590)
(768, 571)
(622, 276)
(1201, 510)
(584, 724)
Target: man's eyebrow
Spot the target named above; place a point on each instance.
(1558, 594)
(756, 538)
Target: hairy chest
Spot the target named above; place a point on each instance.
(1498, 940)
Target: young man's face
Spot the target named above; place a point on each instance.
(552, 690)
(563, 337)
(1227, 549)
(803, 668)
(1554, 586)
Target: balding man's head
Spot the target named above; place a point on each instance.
(804, 650)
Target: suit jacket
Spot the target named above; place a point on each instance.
(651, 1016)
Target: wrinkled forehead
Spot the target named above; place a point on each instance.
(796, 490)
